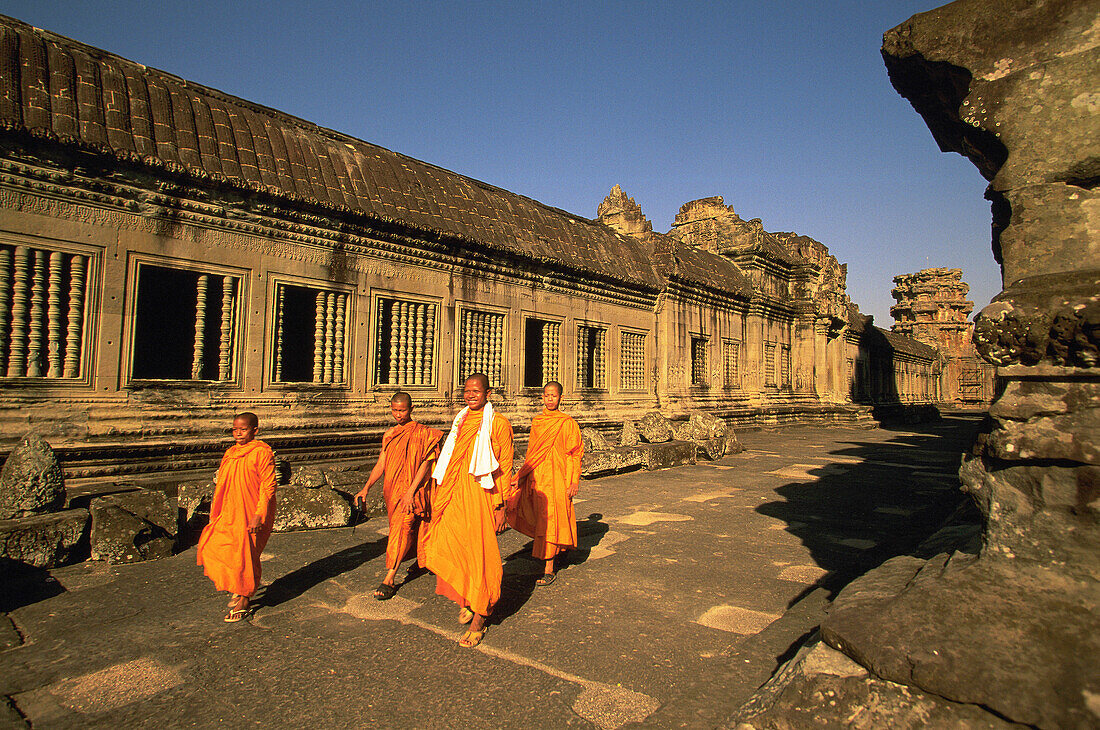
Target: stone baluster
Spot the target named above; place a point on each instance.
(319, 337)
(280, 303)
(497, 364)
(466, 345)
(5, 305)
(380, 317)
(482, 344)
(17, 364)
(73, 338)
(226, 342)
(429, 344)
(395, 341)
(330, 315)
(601, 361)
(583, 373)
(53, 319)
(38, 312)
(408, 329)
(418, 346)
(338, 339)
(200, 326)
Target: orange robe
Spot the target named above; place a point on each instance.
(406, 448)
(544, 511)
(228, 552)
(462, 546)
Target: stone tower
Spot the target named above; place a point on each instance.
(932, 308)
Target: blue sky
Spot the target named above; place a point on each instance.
(783, 109)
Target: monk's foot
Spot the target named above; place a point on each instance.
(233, 598)
(472, 638)
(384, 591)
(546, 579)
(237, 610)
(465, 616)
(414, 571)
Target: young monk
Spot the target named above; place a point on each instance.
(548, 482)
(408, 450)
(241, 516)
(474, 481)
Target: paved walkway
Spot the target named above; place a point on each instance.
(692, 584)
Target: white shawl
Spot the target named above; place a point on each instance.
(482, 461)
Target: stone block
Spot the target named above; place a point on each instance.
(194, 500)
(655, 428)
(711, 449)
(309, 508)
(733, 445)
(133, 527)
(669, 454)
(611, 461)
(705, 426)
(31, 481)
(593, 440)
(629, 435)
(309, 476)
(46, 541)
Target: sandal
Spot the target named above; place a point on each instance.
(384, 592)
(472, 638)
(546, 579)
(238, 613)
(465, 616)
(233, 598)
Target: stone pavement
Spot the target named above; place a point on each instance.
(691, 586)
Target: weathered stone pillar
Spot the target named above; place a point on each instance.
(1013, 85)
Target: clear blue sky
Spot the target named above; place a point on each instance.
(784, 109)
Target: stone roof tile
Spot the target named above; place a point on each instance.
(60, 89)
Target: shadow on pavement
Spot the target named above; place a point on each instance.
(22, 584)
(300, 580)
(878, 500)
(521, 570)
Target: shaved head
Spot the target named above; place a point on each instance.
(556, 385)
(481, 378)
(248, 417)
(402, 397)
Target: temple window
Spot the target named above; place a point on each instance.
(785, 365)
(631, 361)
(481, 345)
(185, 324)
(731, 353)
(769, 364)
(310, 328)
(43, 307)
(404, 342)
(591, 365)
(541, 340)
(699, 361)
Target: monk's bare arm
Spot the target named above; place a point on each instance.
(376, 473)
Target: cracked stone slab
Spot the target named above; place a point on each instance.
(644, 519)
(736, 620)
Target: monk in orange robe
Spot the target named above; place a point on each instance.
(473, 477)
(241, 516)
(408, 451)
(547, 483)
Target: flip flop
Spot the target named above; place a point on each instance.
(472, 638)
(465, 616)
(238, 614)
(546, 579)
(384, 592)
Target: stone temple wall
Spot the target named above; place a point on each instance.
(932, 308)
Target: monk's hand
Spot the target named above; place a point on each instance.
(572, 491)
(500, 519)
(515, 479)
(254, 524)
(360, 500)
(407, 501)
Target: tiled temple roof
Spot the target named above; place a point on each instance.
(677, 261)
(58, 89)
